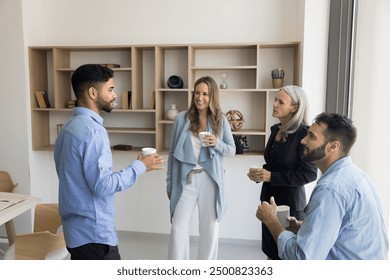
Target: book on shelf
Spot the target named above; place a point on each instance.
(72, 103)
(122, 147)
(126, 99)
(111, 65)
(152, 103)
(42, 99)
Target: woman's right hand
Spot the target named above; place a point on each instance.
(259, 175)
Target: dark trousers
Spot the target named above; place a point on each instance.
(94, 251)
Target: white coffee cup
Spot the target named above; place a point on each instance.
(202, 141)
(147, 151)
(256, 167)
(283, 212)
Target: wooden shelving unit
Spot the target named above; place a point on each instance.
(145, 69)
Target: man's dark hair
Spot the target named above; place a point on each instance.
(89, 75)
(339, 128)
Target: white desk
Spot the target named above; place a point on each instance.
(8, 214)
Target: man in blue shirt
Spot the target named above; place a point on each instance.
(83, 159)
(344, 219)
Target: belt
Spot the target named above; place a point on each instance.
(194, 171)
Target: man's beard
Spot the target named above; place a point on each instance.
(106, 106)
(315, 154)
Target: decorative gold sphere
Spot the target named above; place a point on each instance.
(236, 119)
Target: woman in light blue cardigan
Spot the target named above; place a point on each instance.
(195, 175)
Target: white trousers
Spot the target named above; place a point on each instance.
(201, 191)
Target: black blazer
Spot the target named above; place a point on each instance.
(289, 173)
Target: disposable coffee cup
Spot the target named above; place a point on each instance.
(147, 151)
(283, 212)
(256, 167)
(202, 141)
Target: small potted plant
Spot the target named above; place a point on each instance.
(277, 77)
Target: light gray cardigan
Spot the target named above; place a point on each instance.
(182, 160)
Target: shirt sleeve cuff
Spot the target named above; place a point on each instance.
(283, 239)
(139, 166)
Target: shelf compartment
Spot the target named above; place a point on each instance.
(237, 78)
(225, 55)
(249, 103)
(124, 69)
(144, 61)
(166, 98)
(130, 130)
(171, 60)
(127, 111)
(286, 56)
(249, 132)
(113, 55)
(41, 73)
(136, 140)
(165, 121)
(255, 143)
(224, 68)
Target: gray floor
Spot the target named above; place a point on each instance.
(151, 246)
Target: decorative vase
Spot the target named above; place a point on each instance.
(172, 113)
(175, 81)
(223, 85)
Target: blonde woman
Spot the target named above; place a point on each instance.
(195, 175)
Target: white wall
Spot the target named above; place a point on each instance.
(372, 96)
(14, 107)
(90, 22)
(153, 21)
(315, 58)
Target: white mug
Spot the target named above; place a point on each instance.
(283, 212)
(201, 136)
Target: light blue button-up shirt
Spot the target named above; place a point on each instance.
(344, 219)
(87, 183)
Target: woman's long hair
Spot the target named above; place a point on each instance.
(214, 110)
(298, 97)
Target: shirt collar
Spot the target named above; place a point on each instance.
(340, 163)
(87, 112)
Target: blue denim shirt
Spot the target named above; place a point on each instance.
(344, 219)
(87, 184)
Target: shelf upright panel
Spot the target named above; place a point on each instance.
(62, 84)
(159, 74)
(38, 71)
(136, 60)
